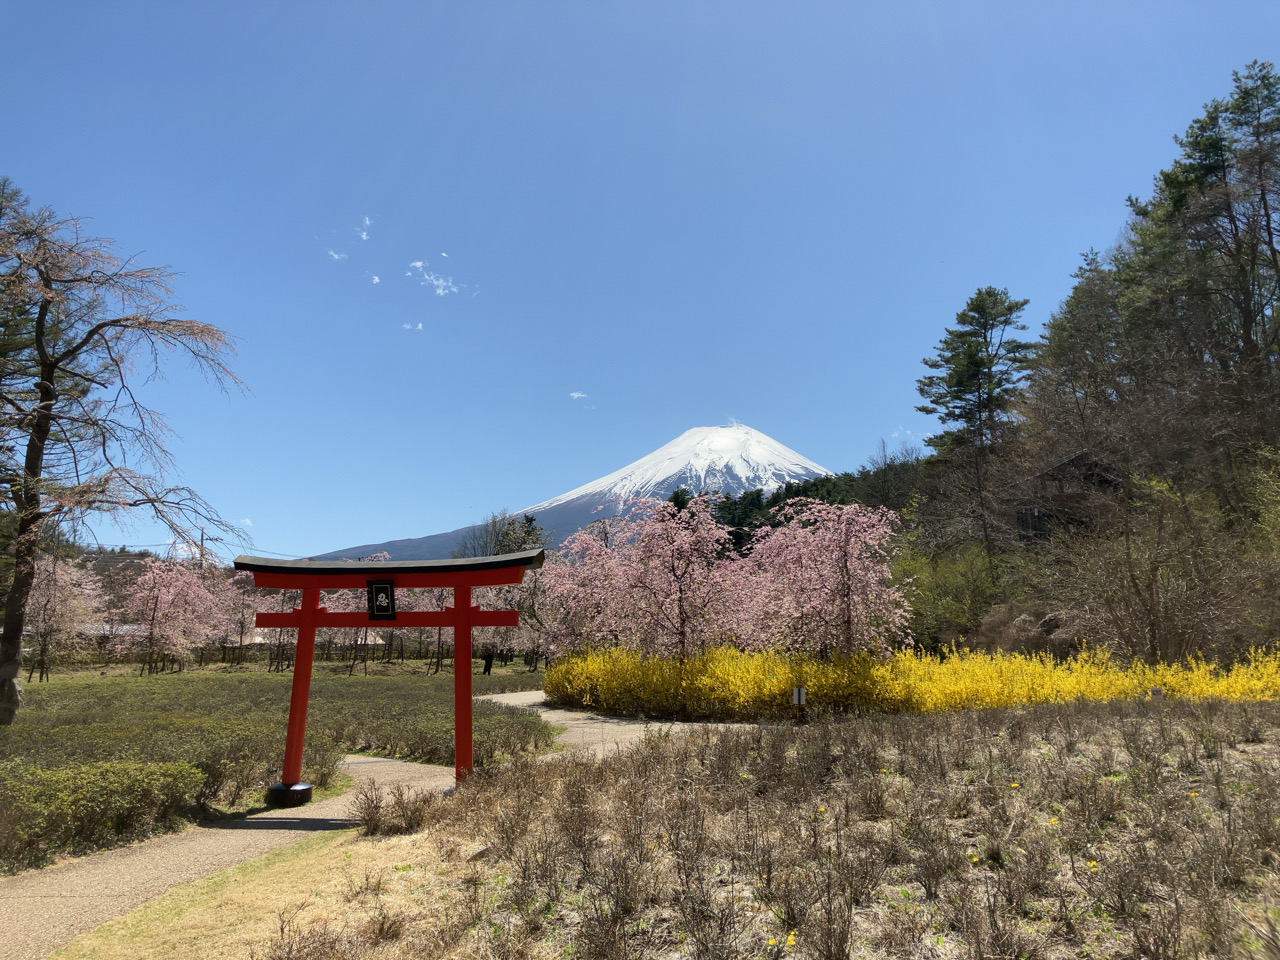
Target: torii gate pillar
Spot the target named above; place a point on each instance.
(312, 576)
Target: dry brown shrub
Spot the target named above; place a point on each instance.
(1045, 832)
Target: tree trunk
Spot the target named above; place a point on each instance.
(980, 479)
(27, 502)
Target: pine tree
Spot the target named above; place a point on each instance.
(980, 366)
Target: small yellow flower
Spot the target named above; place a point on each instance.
(822, 809)
(1093, 866)
(1193, 793)
(791, 939)
(1053, 821)
(974, 859)
(1014, 785)
(773, 941)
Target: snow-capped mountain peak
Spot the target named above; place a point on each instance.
(729, 459)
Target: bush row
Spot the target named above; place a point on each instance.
(96, 760)
(428, 736)
(89, 805)
(411, 717)
(727, 684)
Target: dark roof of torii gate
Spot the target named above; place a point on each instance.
(526, 558)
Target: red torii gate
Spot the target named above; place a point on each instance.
(381, 579)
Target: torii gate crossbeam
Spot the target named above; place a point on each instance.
(312, 576)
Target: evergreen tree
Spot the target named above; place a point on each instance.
(980, 366)
(680, 497)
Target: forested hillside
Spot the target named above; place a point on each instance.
(1117, 477)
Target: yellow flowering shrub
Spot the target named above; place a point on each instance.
(727, 684)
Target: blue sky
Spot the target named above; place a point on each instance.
(477, 254)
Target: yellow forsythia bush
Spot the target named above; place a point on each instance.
(727, 684)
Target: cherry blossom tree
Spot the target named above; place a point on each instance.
(666, 582)
(173, 611)
(820, 582)
(427, 599)
(529, 599)
(64, 596)
(339, 601)
(238, 603)
(658, 584)
(582, 585)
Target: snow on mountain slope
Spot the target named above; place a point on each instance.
(729, 460)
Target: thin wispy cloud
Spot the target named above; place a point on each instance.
(443, 286)
(376, 278)
(246, 521)
(362, 231)
(445, 255)
(337, 256)
(410, 326)
(577, 395)
(181, 549)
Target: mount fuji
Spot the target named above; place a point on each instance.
(729, 460)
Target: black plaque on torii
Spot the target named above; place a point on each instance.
(382, 600)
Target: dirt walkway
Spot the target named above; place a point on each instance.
(40, 910)
(595, 732)
(43, 909)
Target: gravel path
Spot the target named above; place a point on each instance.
(40, 910)
(594, 732)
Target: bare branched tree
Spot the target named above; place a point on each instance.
(79, 329)
(500, 533)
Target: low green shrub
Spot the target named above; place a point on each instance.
(411, 717)
(225, 730)
(85, 806)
